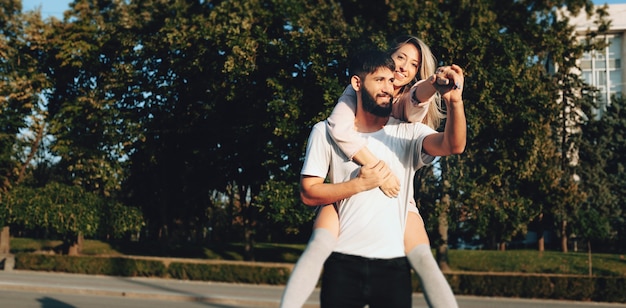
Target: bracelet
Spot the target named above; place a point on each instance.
(414, 99)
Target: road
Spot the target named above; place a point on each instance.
(27, 289)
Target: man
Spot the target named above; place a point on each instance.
(368, 265)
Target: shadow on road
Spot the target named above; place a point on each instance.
(189, 296)
(48, 302)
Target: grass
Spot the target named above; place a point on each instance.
(531, 261)
(90, 247)
(518, 261)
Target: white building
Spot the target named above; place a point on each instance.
(603, 69)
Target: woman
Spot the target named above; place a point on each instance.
(415, 100)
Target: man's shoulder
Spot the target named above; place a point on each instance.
(320, 128)
(403, 127)
(320, 124)
(393, 122)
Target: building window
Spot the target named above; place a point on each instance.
(603, 70)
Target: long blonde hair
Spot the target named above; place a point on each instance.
(427, 66)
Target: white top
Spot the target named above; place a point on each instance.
(371, 224)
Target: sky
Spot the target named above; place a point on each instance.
(57, 7)
(48, 7)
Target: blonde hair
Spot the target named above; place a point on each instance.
(427, 66)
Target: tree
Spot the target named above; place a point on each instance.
(602, 213)
(56, 58)
(574, 101)
(506, 127)
(86, 60)
(66, 211)
(508, 175)
(228, 100)
(21, 83)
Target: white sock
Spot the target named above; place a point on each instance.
(437, 291)
(306, 272)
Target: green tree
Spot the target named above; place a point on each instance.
(574, 99)
(86, 61)
(66, 211)
(508, 171)
(244, 81)
(602, 213)
(506, 109)
(72, 65)
(21, 83)
(70, 213)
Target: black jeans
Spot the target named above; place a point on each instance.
(353, 281)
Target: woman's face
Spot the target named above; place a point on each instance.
(407, 59)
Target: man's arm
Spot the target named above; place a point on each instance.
(314, 191)
(453, 139)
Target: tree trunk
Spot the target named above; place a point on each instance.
(502, 246)
(5, 241)
(541, 239)
(248, 223)
(442, 249)
(75, 245)
(442, 257)
(230, 212)
(589, 257)
(564, 236)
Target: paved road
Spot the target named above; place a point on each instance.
(27, 289)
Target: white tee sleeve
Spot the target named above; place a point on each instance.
(318, 152)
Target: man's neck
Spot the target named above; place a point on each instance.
(366, 122)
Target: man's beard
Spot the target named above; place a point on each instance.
(370, 105)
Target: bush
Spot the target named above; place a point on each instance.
(241, 273)
(561, 287)
(115, 266)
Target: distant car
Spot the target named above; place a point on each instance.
(471, 245)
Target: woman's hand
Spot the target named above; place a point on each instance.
(449, 83)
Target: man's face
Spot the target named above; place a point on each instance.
(376, 92)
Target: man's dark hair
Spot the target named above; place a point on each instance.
(367, 62)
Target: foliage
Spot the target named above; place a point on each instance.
(87, 61)
(282, 213)
(21, 80)
(119, 221)
(67, 211)
(57, 208)
(601, 215)
(229, 273)
(115, 266)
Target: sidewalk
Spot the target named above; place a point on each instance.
(153, 288)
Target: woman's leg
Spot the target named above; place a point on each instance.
(306, 272)
(437, 291)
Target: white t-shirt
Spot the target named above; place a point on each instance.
(371, 224)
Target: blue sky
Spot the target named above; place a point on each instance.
(48, 7)
(57, 7)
